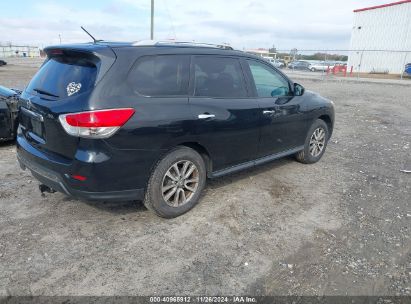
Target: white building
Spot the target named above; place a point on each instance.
(381, 38)
(19, 51)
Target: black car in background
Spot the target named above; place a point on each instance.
(2, 62)
(299, 65)
(8, 113)
(152, 121)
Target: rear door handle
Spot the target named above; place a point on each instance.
(205, 116)
(269, 112)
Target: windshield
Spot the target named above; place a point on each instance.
(61, 77)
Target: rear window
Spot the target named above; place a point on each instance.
(63, 76)
(160, 75)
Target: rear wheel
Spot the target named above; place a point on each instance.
(313, 70)
(176, 183)
(315, 143)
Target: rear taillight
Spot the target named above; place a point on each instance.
(95, 124)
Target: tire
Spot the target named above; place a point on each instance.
(308, 157)
(313, 70)
(161, 182)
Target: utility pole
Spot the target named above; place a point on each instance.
(152, 20)
(60, 38)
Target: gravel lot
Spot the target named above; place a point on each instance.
(341, 226)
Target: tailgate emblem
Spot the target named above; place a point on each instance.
(73, 88)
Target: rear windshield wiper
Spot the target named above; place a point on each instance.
(45, 92)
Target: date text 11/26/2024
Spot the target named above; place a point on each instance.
(203, 299)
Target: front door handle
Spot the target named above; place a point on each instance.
(269, 112)
(205, 116)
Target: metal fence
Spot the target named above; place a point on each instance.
(359, 63)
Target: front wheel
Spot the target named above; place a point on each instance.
(176, 183)
(313, 70)
(315, 143)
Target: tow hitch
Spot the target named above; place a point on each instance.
(45, 189)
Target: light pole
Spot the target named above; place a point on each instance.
(152, 21)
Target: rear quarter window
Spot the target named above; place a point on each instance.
(160, 75)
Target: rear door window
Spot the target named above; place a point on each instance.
(63, 76)
(160, 75)
(220, 77)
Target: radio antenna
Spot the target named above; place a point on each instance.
(92, 37)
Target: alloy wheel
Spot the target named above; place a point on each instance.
(180, 183)
(317, 142)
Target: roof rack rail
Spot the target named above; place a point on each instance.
(181, 43)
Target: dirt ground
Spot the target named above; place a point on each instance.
(338, 227)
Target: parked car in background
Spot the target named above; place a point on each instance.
(299, 65)
(2, 62)
(275, 62)
(279, 64)
(8, 113)
(152, 121)
(269, 59)
(321, 66)
(282, 63)
(407, 69)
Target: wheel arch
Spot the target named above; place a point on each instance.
(200, 149)
(327, 119)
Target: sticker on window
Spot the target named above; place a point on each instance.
(73, 88)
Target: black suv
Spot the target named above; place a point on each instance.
(151, 121)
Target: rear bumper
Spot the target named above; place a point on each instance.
(111, 174)
(55, 181)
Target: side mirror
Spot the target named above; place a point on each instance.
(298, 89)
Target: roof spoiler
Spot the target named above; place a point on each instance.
(104, 55)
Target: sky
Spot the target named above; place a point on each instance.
(313, 24)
